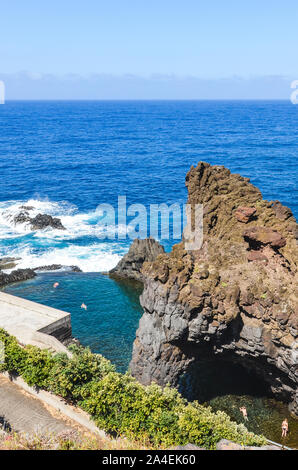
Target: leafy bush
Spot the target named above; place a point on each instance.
(37, 366)
(200, 424)
(14, 354)
(67, 376)
(32, 363)
(118, 403)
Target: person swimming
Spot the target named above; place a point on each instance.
(244, 412)
(84, 306)
(284, 428)
(56, 284)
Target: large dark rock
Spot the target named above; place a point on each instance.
(140, 251)
(38, 222)
(234, 300)
(16, 276)
(42, 221)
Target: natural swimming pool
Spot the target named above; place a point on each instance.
(108, 327)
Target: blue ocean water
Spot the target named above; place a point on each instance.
(89, 152)
(65, 158)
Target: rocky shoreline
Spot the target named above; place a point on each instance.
(39, 222)
(140, 251)
(234, 300)
(19, 275)
(16, 276)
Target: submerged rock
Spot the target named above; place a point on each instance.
(131, 264)
(57, 267)
(8, 262)
(27, 208)
(234, 299)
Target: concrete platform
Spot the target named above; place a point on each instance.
(17, 313)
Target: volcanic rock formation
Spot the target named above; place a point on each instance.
(131, 264)
(16, 276)
(19, 275)
(39, 222)
(233, 300)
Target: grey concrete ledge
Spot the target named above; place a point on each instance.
(19, 316)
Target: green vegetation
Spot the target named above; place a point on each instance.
(118, 403)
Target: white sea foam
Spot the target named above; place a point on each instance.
(93, 258)
(10, 209)
(76, 224)
(48, 246)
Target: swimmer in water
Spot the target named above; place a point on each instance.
(56, 284)
(284, 428)
(84, 306)
(244, 412)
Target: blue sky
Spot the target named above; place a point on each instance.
(207, 40)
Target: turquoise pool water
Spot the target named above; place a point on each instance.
(113, 309)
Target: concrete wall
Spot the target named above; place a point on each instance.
(18, 314)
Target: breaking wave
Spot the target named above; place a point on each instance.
(81, 244)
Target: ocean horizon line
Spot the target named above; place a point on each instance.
(191, 100)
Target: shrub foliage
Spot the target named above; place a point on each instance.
(118, 403)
